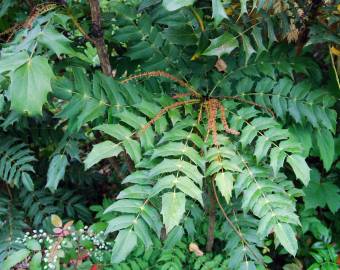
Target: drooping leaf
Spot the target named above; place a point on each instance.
(221, 45)
(135, 192)
(173, 237)
(286, 236)
(125, 206)
(300, 168)
(120, 222)
(101, 151)
(173, 165)
(30, 84)
(56, 171)
(125, 242)
(247, 47)
(325, 143)
(115, 130)
(143, 233)
(189, 188)
(173, 208)
(225, 182)
(133, 149)
(277, 158)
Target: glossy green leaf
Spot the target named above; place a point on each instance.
(55, 41)
(135, 192)
(133, 149)
(186, 185)
(179, 149)
(277, 158)
(173, 237)
(120, 222)
(173, 208)
(115, 130)
(300, 168)
(248, 48)
(225, 183)
(125, 242)
(221, 45)
(172, 5)
(262, 147)
(143, 233)
(321, 193)
(101, 151)
(173, 165)
(56, 171)
(286, 236)
(325, 143)
(125, 206)
(12, 62)
(30, 84)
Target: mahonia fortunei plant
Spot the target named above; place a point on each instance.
(185, 145)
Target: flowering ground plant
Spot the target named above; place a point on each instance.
(66, 246)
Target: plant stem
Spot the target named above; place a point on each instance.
(98, 37)
(231, 224)
(212, 221)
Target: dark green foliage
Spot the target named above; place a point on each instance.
(225, 135)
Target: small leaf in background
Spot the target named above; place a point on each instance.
(320, 194)
(125, 242)
(101, 151)
(225, 182)
(172, 5)
(56, 171)
(326, 146)
(300, 168)
(218, 12)
(221, 45)
(286, 237)
(30, 85)
(56, 221)
(173, 208)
